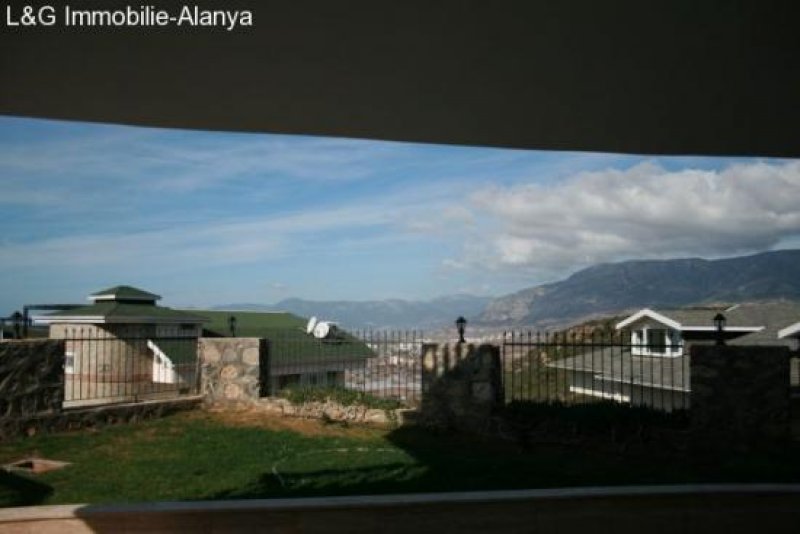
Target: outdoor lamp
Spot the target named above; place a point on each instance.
(719, 322)
(232, 325)
(460, 324)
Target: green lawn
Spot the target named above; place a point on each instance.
(198, 455)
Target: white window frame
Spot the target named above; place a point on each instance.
(640, 342)
(69, 362)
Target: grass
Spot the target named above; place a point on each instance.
(200, 455)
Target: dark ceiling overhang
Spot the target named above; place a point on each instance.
(676, 76)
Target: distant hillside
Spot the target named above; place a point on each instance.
(378, 314)
(608, 289)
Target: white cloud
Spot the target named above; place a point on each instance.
(641, 212)
(449, 264)
(119, 159)
(230, 241)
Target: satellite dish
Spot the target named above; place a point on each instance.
(311, 324)
(322, 330)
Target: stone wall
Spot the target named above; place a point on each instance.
(333, 411)
(231, 374)
(31, 378)
(740, 397)
(95, 417)
(230, 369)
(461, 386)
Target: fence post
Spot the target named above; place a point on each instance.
(428, 371)
(264, 375)
(487, 386)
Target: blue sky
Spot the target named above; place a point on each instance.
(209, 218)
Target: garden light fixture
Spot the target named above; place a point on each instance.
(461, 323)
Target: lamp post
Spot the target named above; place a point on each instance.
(719, 322)
(232, 325)
(461, 323)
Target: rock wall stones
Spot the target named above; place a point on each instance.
(740, 397)
(230, 369)
(461, 386)
(333, 411)
(31, 377)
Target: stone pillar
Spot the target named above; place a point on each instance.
(739, 397)
(430, 353)
(462, 386)
(230, 370)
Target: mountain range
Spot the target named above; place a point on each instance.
(612, 288)
(380, 314)
(600, 290)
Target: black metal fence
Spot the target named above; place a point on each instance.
(384, 364)
(104, 366)
(586, 367)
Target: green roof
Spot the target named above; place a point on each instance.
(250, 324)
(124, 293)
(112, 311)
(122, 304)
(289, 342)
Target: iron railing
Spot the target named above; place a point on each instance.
(103, 367)
(385, 364)
(585, 367)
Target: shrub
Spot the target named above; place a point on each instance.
(339, 395)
